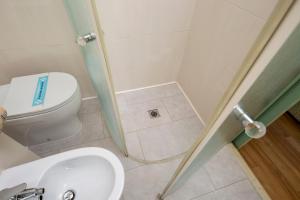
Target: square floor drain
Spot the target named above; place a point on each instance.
(154, 113)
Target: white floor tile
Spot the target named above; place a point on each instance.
(224, 169)
(238, 191)
(92, 132)
(199, 183)
(141, 96)
(178, 107)
(46, 149)
(170, 90)
(122, 103)
(145, 182)
(133, 145)
(89, 106)
(56, 146)
(90, 118)
(137, 116)
(170, 139)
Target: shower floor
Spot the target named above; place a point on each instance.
(160, 119)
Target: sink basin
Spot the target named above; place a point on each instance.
(86, 173)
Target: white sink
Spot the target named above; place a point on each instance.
(88, 173)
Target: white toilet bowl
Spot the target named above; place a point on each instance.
(41, 107)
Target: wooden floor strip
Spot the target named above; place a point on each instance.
(275, 159)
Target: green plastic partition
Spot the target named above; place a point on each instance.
(80, 14)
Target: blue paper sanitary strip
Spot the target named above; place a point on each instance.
(40, 91)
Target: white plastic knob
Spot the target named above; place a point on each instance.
(255, 129)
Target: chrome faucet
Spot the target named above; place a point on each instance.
(20, 192)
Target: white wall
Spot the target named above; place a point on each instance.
(145, 39)
(222, 33)
(36, 36)
(12, 153)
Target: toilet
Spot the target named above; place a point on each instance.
(41, 107)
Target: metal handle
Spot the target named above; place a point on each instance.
(83, 40)
(253, 129)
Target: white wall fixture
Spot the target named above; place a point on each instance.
(254, 129)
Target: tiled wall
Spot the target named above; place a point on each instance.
(36, 37)
(145, 39)
(222, 33)
(199, 43)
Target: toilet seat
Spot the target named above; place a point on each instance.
(61, 87)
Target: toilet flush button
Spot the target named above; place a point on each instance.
(40, 91)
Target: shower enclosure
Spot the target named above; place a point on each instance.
(84, 16)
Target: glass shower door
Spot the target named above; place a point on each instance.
(80, 14)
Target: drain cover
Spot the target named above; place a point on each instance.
(69, 195)
(154, 113)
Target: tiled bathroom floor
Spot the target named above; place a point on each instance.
(172, 133)
(220, 178)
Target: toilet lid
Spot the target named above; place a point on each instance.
(39, 93)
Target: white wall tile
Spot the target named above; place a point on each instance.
(128, 18)
(146, 60)
(145, 39)
(35, 37)
(221, 35)
(259, 8)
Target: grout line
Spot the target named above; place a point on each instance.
(201, 195)
(141, 146)
(163, 104)
(191, 104)
(248, 11)
(249, 174)
(165, 107)
(212, 183)
(133, 168)
(221, 188)
(142, 88)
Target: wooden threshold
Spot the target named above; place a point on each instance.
(275, 159)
